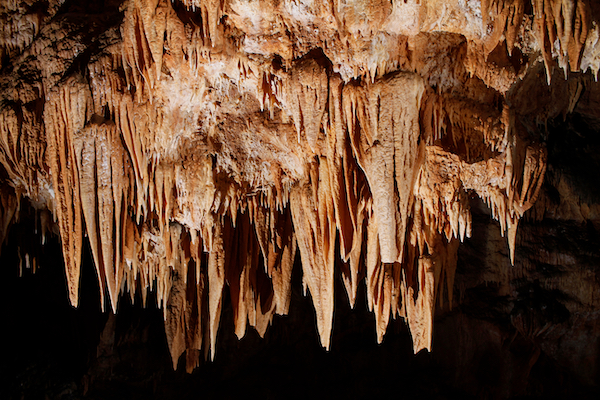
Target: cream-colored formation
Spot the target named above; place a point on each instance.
(199, 146)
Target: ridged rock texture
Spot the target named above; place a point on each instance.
(200, 147)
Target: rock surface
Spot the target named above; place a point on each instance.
(207, 152)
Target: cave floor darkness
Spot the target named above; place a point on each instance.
(57, 352)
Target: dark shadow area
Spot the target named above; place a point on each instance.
(58, 352)
(479, 350)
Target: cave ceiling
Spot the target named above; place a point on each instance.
(203, 146)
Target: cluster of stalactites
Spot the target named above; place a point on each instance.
(563, 29)
(186, 233)
(150, 155)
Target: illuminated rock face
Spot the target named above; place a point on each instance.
(202, 147)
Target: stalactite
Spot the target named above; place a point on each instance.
(213, 232)
(506, 17)
(105, 184)
(64, 115)
(312, 211)
(308, 97)
(382, 120)
(277, 242)
(564, 23)
(175, 322)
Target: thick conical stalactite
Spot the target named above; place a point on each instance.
(382, 121)
(216, 277)
(105, 185)
(176, 320)
(308, 97)
(312, 213)
(64, 116)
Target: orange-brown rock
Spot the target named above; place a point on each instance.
(198, 146)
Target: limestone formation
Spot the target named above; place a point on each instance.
(204, 146)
